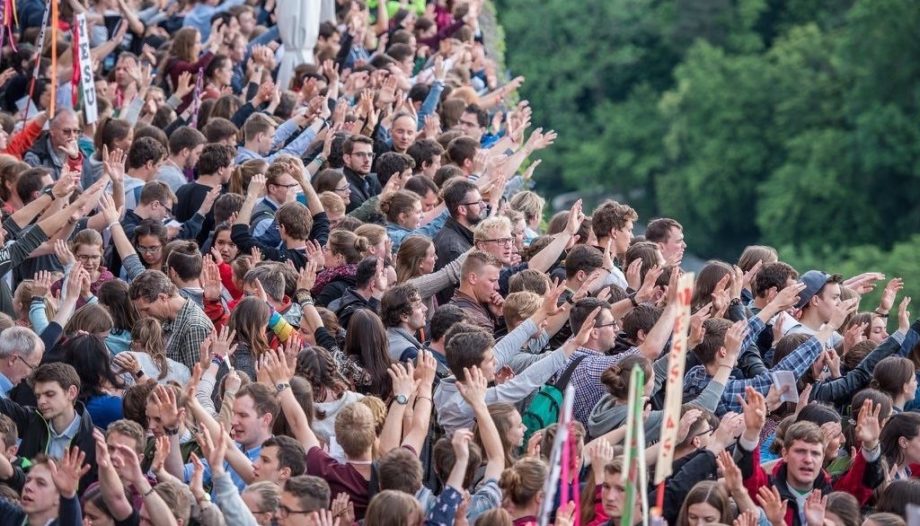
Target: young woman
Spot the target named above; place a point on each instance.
(366, 345)
(900, 440)
(147, 357)
(706, 503)
(522, 489)
(185, 56)
(895, 377)
(341, 255)
(415, 262)
(87, 248)
(403, 211)
(218, 76)
(250, 320)
(511, 430)
(113, 295)
(100, 388)
(149, 239)
(331, 391)
(228, 251)
(239, 179)
(391, 507)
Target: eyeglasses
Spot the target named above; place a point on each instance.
(29, 365)
(343, 189)
(70, 131)
(287, 186)
(614, 323)
(471, 203)
(149, 250)
(87, 257)
(505, 241)
(284, 511)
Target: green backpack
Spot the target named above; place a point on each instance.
(546, 403)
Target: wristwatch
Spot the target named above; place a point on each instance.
(279, 388)
(402, 399)
(171, 432)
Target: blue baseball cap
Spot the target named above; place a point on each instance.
(813, 280)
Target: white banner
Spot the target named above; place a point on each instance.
(674, 392)
(86, 72)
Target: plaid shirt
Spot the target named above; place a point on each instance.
(586, 379)
(185, 334)
(798, 361)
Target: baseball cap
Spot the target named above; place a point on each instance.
(813, 281)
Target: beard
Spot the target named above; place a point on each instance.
(474, 219)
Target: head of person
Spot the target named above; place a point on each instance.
(280, 458)
(895, 377)
(345, 248)
(519, 306)
(243, 173)
(649, 253)
(469, 346)
(843, 509)
(378, 241)
(87, 247)
(821, 295)
(900, 439)
(493, 235)
(445, 173)
(416, 257)
(668, 234)
(254, 410)
(186, 144)
(144, 157)
(580, 262)
(21, 352)
(216, 159)
(707, 281)
(220, 131)
(56, 387)
(445, 317)
(262, 498)
(473, 121)
(223, 242)
(91, 359)
(463, 201)
(530, 280)
(294, 222)
(511, 429)
(176, 497)
(461, 152)
(531, 205)
(400, 470)
(358, 154)
(186, 44)
(355, 431)
(64, 129)
(639, 322)
(269, 277)
(403, 131)
(155, 424)
(479, 275)
(402, 306)
(614, 221)
(332, 180)
(31, 182)
(772, 278)
(40, 495)
(394, 164)
(95, 511)
(403, 208)
(522, 483)
(156, 200)
(803, 453)
(700, 431)
(126, 433)
(882, 519)
(757, 253)
(219, 71)
(393, 508)
(249, 319)
(897, 495)
(259, 133)
(616, 377)
(427, 155)
(367, 337)
(114, 134)
(706, 503)
(149, 241)
(152, 292)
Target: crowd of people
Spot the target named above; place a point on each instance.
(281, 263)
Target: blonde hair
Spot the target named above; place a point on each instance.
(86, 236)
(355, 429)
(492, 224)
(348, 244)
(375, 234)
(411, 252)
(523, 482)
(393, 508)
(332, 202)
(519, 306)
(528, 203)
(147, 337)
(243, 173)
(378, 409)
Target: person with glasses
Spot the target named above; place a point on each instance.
(21, 351)
(466, 208)
(58, 146)
(358, 154)
(85, 250)
(280, 188)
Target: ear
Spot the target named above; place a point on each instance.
(72, 392)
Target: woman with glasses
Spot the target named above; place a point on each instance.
(86, 250)
(149, 239)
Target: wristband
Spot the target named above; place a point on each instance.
(880, 315)
(217, 360)
(113, 223)
(148, 492)
(49, 191)
(171, 431)
(632, 299)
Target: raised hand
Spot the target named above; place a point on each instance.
(730, 472)
(686, 421)
(533, 444)
(748, 518)
(473, 389)
(755, 411)
(210, 279)
(66, 473)
(868, 424)
(461, 444)
(904, 315)
(600, 452)
(734, 337)
(747, 279)
(584, 334)
(402, 377)
(256, 187)
(196, 484)
(307, 276)
(164, 399)
(815, 506)
(788, 297)
(163, 448)
(551, 301)
(222, 342)
(888, 295)
(841, 311)
(425, 367)
(343, 509)
(63, 253)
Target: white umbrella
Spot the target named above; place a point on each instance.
(298, 24)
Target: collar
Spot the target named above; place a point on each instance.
(5, 385)
(70, 431)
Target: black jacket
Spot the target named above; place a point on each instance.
(35, 433)
(349, 303)
(453, 239)
(362, 188)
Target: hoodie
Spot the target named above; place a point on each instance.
(402, 345)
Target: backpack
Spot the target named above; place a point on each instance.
(546, 403)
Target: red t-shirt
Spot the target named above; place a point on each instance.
(342, 478)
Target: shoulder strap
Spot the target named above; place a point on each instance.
(566, 376)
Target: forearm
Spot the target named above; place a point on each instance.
(491, 441)
(658, 336)
(297, 420)
(231, 503)
(245, 213)
(415, 438)
(24, 216)
(173, 464)
(391, 434)
(154, 505)
(543, 260)
(65, 310)
(113, 494)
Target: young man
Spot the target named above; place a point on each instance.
(613, 222)
(403, 313)
(669, 235)
(280, 188)
(271, 278)
(461, 152)
(185, 146)
(478, 294)
(262, 138)
(58, 421)
(49, 496)
(801, 470)
(358, 154)
(215, 165)
(772, 278)
(444, 317)
(818, 302)
(185, 325)
(364, 295)
(21, 351)
(714, 353)
(468, 346)
(301, 499)
(294, 226)
(155, 202)
(280, 459)
(427, 155)
(183, 266)
(143, 161)
(466, 208)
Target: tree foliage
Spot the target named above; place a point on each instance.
(789, 122)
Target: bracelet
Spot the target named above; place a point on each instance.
(417, 398)
(632, 299)
(148, 492)
(113, 223)
(171, 432)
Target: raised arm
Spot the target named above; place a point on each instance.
(281, 375)
(473, 391)
(404, 384)
(113, 491)
(546, 258)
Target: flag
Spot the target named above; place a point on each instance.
(634, 466)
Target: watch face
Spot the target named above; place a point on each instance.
(402, 400)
